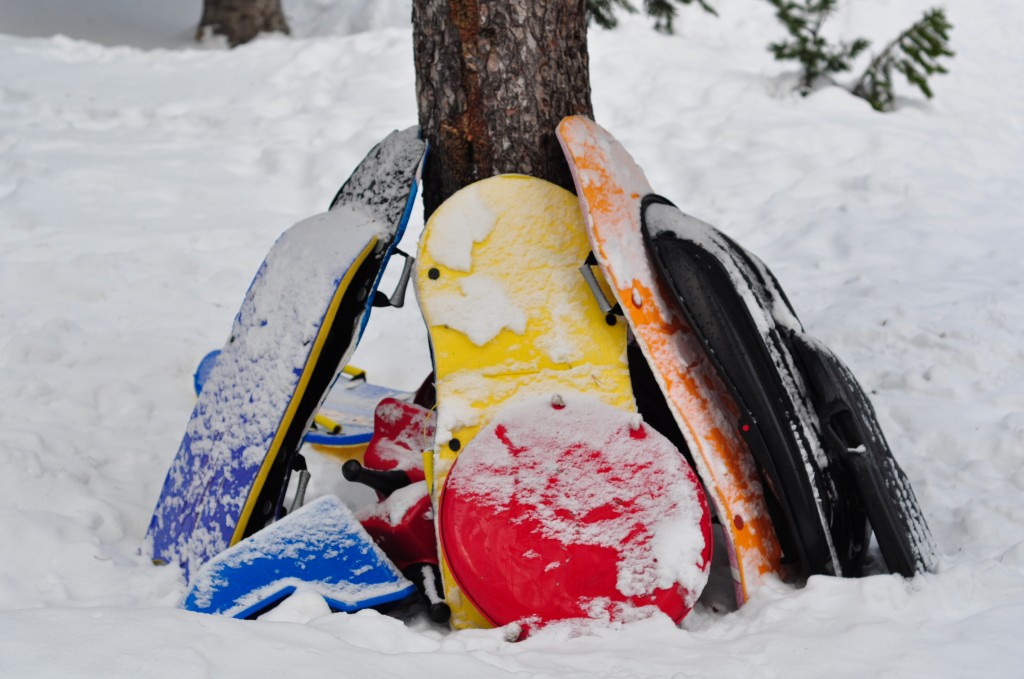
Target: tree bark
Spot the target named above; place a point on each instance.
(242, 20)
(493, 79)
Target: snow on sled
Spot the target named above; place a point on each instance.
(829, 474)
(343, 426)
(566, 508)
(345, 422)
(819, 523)
(808, 420)
(320, 547)
(298, 325)
(553, 499)
(610, 187)
(354, 562)
(402, 521)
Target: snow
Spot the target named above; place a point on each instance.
(452, 242)
(494, 309)
(393, 508)
(140, 189)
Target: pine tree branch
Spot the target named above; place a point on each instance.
(602, 12)
(914, 53)
(815, 55)
(824, 11)
(876, 64)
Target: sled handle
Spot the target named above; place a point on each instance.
(384, 482)
(300, 490)
(608, 307)
(397, 298)
(327, 425)
(299, 465)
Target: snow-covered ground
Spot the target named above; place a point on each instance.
(143, 178)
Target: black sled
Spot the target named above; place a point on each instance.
(830, 475)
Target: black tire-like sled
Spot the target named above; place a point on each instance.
(830, 475)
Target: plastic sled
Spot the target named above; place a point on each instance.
(567, 508)
(298, 325)
(610, 187)
(512, 327)
(320, 547)
(344, 425)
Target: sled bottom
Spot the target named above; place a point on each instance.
(320, 547)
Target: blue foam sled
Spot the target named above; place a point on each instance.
(320, 547)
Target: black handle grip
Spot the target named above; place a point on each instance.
(384, 483)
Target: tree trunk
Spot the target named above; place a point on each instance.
(242, 20)
(493, 78)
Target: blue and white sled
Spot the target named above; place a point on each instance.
(298, 326)
(320, 547)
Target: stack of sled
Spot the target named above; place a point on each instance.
(618, 389)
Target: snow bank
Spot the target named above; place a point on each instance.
(139, 191)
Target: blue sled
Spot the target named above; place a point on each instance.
(320, 547)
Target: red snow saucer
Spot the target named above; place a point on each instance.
(570, 508)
